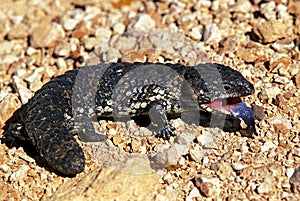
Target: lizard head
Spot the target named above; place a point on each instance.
(219, 90)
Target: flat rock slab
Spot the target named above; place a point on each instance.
(131, 180)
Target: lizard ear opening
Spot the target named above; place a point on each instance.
(227, 87)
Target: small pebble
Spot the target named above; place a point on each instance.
(119, 28)
(239, 166)
(24, 93)
(62, 50)
(70, 24)
(270, 31)
(267, 146)
(4, 167)
(267, 185)
(205, 139)
(212, 33)
(47, 35)
(210, 187)
(194, 193)
(197, 154)
(195, 33)
(185, 138)
(144, 22)
(19, 174)
(8, 105)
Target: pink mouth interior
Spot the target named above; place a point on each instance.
(224, 104)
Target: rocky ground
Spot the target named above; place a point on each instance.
(42, 39)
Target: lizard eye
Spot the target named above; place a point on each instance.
(227, 87)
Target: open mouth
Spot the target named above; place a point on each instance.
(234, 107)
(223, 105)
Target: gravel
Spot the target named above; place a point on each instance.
(43, 39)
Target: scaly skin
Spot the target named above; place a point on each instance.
(65, 105)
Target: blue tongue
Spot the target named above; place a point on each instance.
(246, 113)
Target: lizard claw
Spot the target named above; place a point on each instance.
(166, 132)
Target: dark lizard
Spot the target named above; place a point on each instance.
(66, 105)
